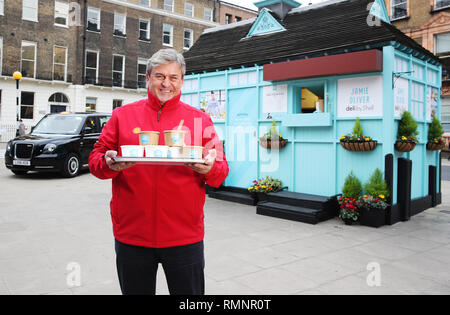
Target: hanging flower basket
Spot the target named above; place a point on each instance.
(432, 146)
(269, 144)
(360, 146)
(405, 146)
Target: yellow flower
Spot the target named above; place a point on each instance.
(404, 138)
(381, 196)
(263, 186)
(280, 135)
(365, 196)
(367, 138)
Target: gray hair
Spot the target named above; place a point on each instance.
(165, 56)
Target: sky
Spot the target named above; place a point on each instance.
(249, 3)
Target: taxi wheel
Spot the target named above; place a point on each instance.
(71, 166)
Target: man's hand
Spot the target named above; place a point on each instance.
(205, 168)
(118, 167)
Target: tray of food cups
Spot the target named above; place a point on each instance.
(149, 152)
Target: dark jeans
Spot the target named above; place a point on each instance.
(183, 267)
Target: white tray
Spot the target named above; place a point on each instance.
(156, 161)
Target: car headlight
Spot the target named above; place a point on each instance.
(49, 148)
(8, 147)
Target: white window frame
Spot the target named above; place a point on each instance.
(436, 43)
(397, 5)
(210, 13)
(168, 5)
(54, 63)
(98, 12)
(97, 64)
(170, 35)
(2, 7)
(27, 105)
(63, 6)
(186, 9)
(144, 5)
(141, 62)
(35, 6)
(123, 26)
(85, 103)
(147, 30)
(438, 8)
(191, 38)
(35, 56)
(122, 71)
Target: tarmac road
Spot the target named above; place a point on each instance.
(56, 238)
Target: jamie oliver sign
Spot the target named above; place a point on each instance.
(361, 96)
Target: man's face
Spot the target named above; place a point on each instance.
(165, 81)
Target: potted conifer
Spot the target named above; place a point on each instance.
(348, 202)
(356, 141)
(435, 132)
(407, 133)
(372, 205)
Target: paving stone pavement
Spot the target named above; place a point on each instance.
(56, 238)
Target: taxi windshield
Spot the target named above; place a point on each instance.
(59, 124)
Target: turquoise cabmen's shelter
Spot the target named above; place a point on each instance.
(314, 70)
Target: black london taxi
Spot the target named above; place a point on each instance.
(59, 142)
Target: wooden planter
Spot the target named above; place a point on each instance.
(373, 217)
(405, 146)
(435, 146)
(269, 144)
(360, 146)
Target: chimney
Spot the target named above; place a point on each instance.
(279, 7)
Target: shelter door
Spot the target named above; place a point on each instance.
(241, 143)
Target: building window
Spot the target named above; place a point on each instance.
(188, 9)
(168, 5)
(142, 71)
(59, 63)
(237, 19)
(442, 44)
(0, 103)
(61, 13)
(208, 14)
(144, 30)
(2, 4)
(399, 9)
(118, 69)
(93, 19)
(58, 103)
(228, 18)
(117, 103)
(120, 22)
(167, 35)
(28, 67)
(439, 4)
(91, 67)
(30, 10)
(145, 3)
(91, 104)
(26, 105)
(188, 38)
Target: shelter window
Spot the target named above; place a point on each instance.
(309, 98)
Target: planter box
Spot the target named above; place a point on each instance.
(372, 217)
(359, 146)
(435, 146)
(405, 146)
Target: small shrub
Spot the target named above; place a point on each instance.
(352, 187)
(407, 128)
(376, 186)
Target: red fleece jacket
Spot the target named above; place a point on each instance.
(158, 205)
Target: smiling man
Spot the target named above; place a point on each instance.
(157, 210)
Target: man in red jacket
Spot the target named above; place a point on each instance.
(157, 210)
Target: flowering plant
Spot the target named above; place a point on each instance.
(273, 134)
(407, 128)
(266, 185)
(348, 208)
(368, 201)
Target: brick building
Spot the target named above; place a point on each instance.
(87, 55)
(428, 23)
(232, 13)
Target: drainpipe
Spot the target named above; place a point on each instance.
(83, 60)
